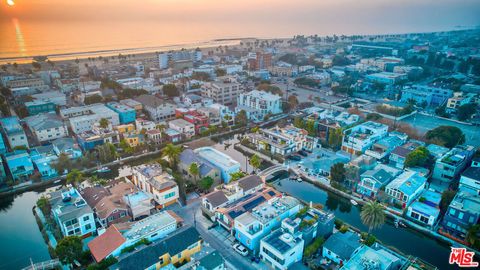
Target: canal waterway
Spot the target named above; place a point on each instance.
(406, 240)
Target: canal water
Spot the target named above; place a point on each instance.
(408, 241)
(20, 238)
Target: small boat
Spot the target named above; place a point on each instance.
(396, 223)
(103, 170)
(352, 201)
(57, 181)
(294, 177)
(299, 179)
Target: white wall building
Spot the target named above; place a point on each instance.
(258, 104)
(83, 118)
(183, 126)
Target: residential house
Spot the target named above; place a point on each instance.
(326, 121)
(72, 214)
(88, 140)
(340, 247)
(177, 248)
(383, 147)
(143, 124)
(259, 104)
(257, 222)
(55, 97)
(67, 146)
(38, 106)
(157, 109)
(184, 127)
(153, 180)
(42, 157)
(283, 141)
(173, 136)
(470, 181)
(399, 154)
(126, 114)
(405, 188)
(222, 162)
(82, 119)
(374, 257)
(426, 208)
(19, 164)
(387, 78)
(139, 204)
(137, 106)
(463, 212)
(154, 136)
(449, 167)
(46, 127)
(372, 180)
(358, 139)
(206, 168)
(281, 248)
(120, 236)
(14, 132)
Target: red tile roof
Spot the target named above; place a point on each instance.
(103, 245)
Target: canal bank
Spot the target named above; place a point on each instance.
(406, 240)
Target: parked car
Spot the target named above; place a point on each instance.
(295, 157)
(240, 249)
(255, 259)
(303, 153)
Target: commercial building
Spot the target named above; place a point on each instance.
(224, 90)
(151, 179)
(225, 164)
(424, 94)
(259, 60)
(72, 214)
(259, 104)
(360, 138)
(126, 114)
(82, 119)
(388, 78)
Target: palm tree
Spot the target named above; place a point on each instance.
(194, 170)
(372, 215)
(171, 153)
(74, 177)
(255, 161)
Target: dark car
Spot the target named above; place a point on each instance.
(255, 259)
(295, 157)
(303, 153)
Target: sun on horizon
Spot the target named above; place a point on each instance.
(10, 2)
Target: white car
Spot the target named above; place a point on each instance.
(240, 249)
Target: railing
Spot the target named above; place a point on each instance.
(46, 265)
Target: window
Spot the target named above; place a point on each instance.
(88, 227)
(85, 218)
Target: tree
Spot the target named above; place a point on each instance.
(93, 99)
(205, 183)
(337, 173)
(241, 118)
(417, 157)
(36, 65)
(62, 164)
(104, 123)
(69, 249)
(237, 175)
(194, 170)
(298, 122)
(448, 136)
(292, 102)
(172, 153)
(220, 72)
(170, 90)
(466, 111)
(335, 138)
(372, 215)
(44, 205)
(313, 247)
(473, 236)
(106, 152)
(255, 161)
(447, 197)
(74, 177)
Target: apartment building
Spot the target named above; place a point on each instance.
(82, 119)
(46, 127)
(450, 165)
(157, 109)
(224, 90)
(360, 138)
(258, 104)
(14, 132)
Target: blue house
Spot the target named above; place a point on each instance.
(426, 208)
(67, 146)
(340, 246)
(372, 180)
(19, 164)
(42, 157)
(125, 113)
(3, 147)
(463, 212)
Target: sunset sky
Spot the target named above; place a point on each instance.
(431, 11)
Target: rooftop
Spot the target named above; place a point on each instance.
(282, 241)
(146, 226)
(408, 182)
(217, 158)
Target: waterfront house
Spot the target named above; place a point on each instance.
(182, 126)
(153, 180)
(225, 194)
(339, 247)
(463, 212)
(260, 220)
(66, 146)
(143, 124)
(154, 136)
(126, 114)
(14, 132)
(173, 136)
(449, 167)
(72, 214)
(374, 257)
(176, 249)
(281, 248)
(117, 237)
(283, 141)
(383, 147)
(19, 165)
(426, 208)
(42, 157)
(46, 127)
(405, 188)
(361, 137)
(372, 180)
(88, 140)
(259, 104)
(205, 167)
(222, 162)
(470, 181)
(399, 154)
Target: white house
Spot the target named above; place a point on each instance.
(183, 126)
(259, 104)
